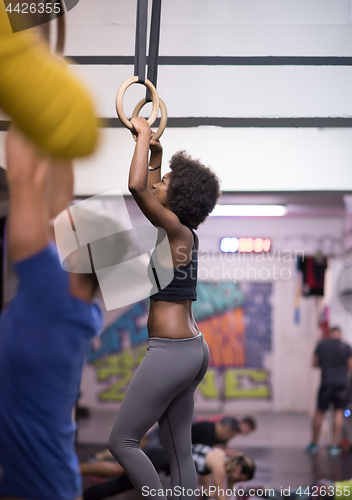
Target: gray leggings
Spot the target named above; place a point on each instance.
(162, 390)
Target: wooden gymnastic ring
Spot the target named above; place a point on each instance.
(163, 119)
(121, 93)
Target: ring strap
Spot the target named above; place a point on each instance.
(61, 30)
(140, 57)
(154, 46)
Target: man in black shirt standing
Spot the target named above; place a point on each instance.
(334, 357)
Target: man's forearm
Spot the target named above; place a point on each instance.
(28, 230)
(103, 469)
(27, 176)
(60, 187)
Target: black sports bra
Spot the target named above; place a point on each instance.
(180, 282)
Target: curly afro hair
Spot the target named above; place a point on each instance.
(193, 190)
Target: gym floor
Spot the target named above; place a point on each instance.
(277, 447)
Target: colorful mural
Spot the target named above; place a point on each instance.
(236, 323)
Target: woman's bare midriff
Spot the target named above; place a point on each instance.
(171, 320)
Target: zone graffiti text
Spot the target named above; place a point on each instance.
(118, 369)
(233, 383)
(116, 372)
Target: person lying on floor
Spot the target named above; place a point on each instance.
(207, 461)
(203, 432)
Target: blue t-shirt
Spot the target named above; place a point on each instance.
(45, 335)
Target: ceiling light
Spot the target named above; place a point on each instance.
(249, 211)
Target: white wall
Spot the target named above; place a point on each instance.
(245, 159)
(231, 91)
(217, 27)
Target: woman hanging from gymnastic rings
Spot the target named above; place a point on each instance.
(163, 386)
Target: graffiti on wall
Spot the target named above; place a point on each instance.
(236, 324)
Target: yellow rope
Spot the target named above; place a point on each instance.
(44, 99)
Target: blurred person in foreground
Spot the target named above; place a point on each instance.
(45, 334)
